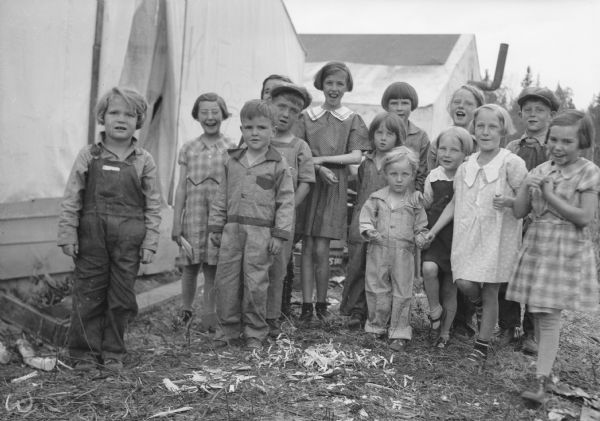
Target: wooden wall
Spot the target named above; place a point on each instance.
(28, 241)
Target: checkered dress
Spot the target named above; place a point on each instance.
(556, 267)
(205, 169)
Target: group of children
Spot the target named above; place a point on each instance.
(238, 212)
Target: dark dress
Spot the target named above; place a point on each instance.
(440, 249)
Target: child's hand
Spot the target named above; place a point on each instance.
(534, 181)
(422, 240)
(215, 238)
(146, 255)
(547, 186)
(429, 236)
(373, 236)
(275, 245)
(71, 250)
(328, 176)
(500, 201)
(176, 234)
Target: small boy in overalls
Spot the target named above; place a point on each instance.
(108, 223)
(250, 218)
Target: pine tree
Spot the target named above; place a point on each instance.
(528, 79)
(565, 97)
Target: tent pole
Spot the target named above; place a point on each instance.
(95, 70)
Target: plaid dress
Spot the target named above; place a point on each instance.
(205, 168)
(556, 267)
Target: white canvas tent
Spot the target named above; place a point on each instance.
(435, 65)
(169, 50)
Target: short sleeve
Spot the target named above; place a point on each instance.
(590, 179)
(306, 167)
(182, 159)
(427, 192)
(358, 138)
(516, 171)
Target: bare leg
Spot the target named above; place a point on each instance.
(448, 296)
(188, 285)
(431, 284)
(321, 256)
(489, 296)
(307, 269)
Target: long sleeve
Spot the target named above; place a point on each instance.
(420, 220)
(72, 202)
(284, 203)
(218, 210)
(151, 193)
(368, 215)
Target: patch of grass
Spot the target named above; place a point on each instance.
(363, 378)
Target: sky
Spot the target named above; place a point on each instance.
(559, 40)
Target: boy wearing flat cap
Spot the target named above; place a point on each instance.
(538, 106)
(288, 100)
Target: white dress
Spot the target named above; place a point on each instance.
(486, 241)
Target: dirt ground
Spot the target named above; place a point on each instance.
(316, 372)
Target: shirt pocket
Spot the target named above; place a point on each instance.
(265, 182)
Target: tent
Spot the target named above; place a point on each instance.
(436, 65)
(58, 56)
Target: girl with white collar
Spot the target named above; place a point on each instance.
(336, 136)
(487, 235)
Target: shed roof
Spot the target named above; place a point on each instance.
(382, 49)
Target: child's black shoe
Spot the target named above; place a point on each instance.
(307, 312)
(183, 320)
(356, 321)
(322, 313)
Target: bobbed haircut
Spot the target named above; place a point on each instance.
(329, 69)
(210, 97)
(462, 135)
(257, 108)
(506, 122)
(473, 90)
(131, 97)
(391, 122)
(273, 77)
(400, 90)
(399, 154)
(584, 123)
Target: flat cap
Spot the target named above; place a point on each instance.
(542, 94)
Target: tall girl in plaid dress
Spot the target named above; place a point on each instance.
(556, 267)
(486, 234)
(336, 136)
(202, 163)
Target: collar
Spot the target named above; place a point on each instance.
(566, 172)
(541, 141)
(271, 155)
(133, 147)
(439, 174)
(219, 144)
(409, 197)
(342, 113)
(491, 169)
